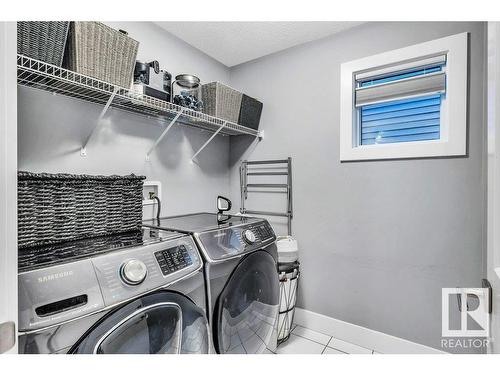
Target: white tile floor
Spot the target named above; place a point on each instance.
(306, 341)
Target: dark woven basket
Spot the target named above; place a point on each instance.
(54, 208)
(42, 256)
(42, 40)
(250, 112)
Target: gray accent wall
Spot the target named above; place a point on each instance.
(378, 239)
(53, 128)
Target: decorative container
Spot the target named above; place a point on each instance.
(42, 40)
(99, 51)
(221, 101)
(250, 112)
(186, 92)
(54, 208)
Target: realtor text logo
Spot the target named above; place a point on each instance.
(469, 307)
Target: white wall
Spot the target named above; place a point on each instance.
(378, 239)
(493, 253)
(8, 180)
(53, 128)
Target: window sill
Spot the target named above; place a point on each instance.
(404, 150)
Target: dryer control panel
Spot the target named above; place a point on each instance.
(263, 230)
(228, 242)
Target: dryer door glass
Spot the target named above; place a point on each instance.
(247, 309)
(159, 323)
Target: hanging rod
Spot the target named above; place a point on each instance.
(268, 185)
(254, 162)
(267, 213)
(267, 173)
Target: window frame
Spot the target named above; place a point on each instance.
(453, 125)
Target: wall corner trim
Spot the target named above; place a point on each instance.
(368, 338)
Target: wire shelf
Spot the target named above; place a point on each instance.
(40, 75)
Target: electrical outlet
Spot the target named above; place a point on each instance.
(150, 190)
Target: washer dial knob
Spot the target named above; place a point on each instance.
(133, 272)
(249, 237)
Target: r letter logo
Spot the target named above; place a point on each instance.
(474, 317)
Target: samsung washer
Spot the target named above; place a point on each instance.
(140, 292)
(241, 277)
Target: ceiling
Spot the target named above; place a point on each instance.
(233, 43)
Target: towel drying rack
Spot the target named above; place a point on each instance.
(269, 168)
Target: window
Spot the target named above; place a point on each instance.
(406, 103)
(407, 120)
(403, 106)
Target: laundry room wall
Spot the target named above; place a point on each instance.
(53, 128)
(378, 239)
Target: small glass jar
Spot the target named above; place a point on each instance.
(186, 92)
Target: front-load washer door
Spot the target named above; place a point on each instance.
(247, 309)
(159, 323)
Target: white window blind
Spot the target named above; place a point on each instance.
(420, 78)
(402, 104)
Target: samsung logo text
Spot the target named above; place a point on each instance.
(54, 276)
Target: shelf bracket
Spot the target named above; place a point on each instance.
(209, 140)
(83, 151)
(163, 134)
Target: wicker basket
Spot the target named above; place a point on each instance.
(99, 51)
(54, 208)
(221, 101)
(32, 256)
(43, 41)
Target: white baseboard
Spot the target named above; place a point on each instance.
(368, 338)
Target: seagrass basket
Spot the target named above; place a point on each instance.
(54, 208)
(98, 51)
(221, 101)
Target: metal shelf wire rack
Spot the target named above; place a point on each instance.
(40, 75)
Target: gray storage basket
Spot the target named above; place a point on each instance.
(43, 41)
(54, 208)
(250, 112)
(99, 51)
(221, 101)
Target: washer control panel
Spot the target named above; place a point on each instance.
(134, 271)
(173, 259)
